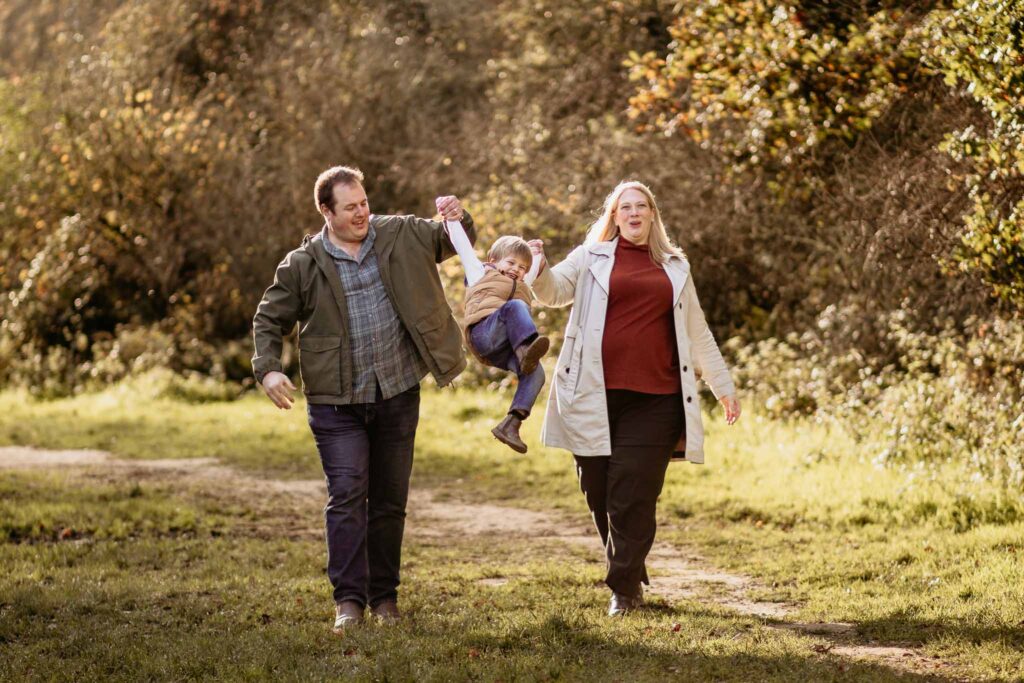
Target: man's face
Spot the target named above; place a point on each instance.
(512, 267)
(350, 218)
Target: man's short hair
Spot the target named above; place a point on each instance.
(323, 190)
(511, 245)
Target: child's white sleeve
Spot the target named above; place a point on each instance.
(470, 263)
(533, 272)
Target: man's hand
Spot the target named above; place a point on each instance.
(537, 249)
(279, 389)
(449, 207)
(732, 408)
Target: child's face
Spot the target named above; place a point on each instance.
(512, 267)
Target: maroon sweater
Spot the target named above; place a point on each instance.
(639, 346)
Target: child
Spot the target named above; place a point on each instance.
(498, 327)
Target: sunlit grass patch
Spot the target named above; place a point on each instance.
(127, 421)
(49, 507)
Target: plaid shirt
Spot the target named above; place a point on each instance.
(382, 350)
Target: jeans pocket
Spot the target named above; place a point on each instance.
(316, 412)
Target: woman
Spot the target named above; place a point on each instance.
(624, 394)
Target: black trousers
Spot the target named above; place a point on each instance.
(366, 450)
(622, 489)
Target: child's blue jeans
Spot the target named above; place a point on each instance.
(495, 339)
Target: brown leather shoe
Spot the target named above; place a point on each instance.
(386, 612)
(347, 613)
(507, 432)
(530, 354)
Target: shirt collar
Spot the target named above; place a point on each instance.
(340, 254)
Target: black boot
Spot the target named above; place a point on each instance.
(507, 432)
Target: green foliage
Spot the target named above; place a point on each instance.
(942, 400)
(768, 86)
(778, 82)
(978, 48)
(184, 176)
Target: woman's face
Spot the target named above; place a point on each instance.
(633, 216)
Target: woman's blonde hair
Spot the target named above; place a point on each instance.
(605, 230)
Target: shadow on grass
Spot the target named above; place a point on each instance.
(198, 642)
(908, 628)
(580, 650)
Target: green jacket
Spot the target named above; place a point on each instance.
(307, 291)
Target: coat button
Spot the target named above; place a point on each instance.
(567, 369)
(685, 368)
(689, 399)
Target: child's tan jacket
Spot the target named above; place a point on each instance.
(490, 293)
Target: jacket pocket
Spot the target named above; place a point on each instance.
(568, 373)
(320, 365)
(442, 338)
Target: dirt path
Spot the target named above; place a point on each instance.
(678, 573)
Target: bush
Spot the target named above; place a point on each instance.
(179, 179)
(956, 395)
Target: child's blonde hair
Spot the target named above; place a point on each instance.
(510, 245)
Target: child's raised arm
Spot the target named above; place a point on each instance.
(470, 263)
(533, 272)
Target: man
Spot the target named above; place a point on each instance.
(373, 320)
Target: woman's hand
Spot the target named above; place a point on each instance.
(732, 408)
(537, 249)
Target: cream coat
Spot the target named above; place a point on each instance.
(577, 413)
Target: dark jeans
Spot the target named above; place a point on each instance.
(366, 451)
(622, 489)
(496, 337)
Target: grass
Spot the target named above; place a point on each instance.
(138, 578)
(237, 607)
(136, 420)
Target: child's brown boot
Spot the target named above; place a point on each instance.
(530, 354)
(507, 432)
